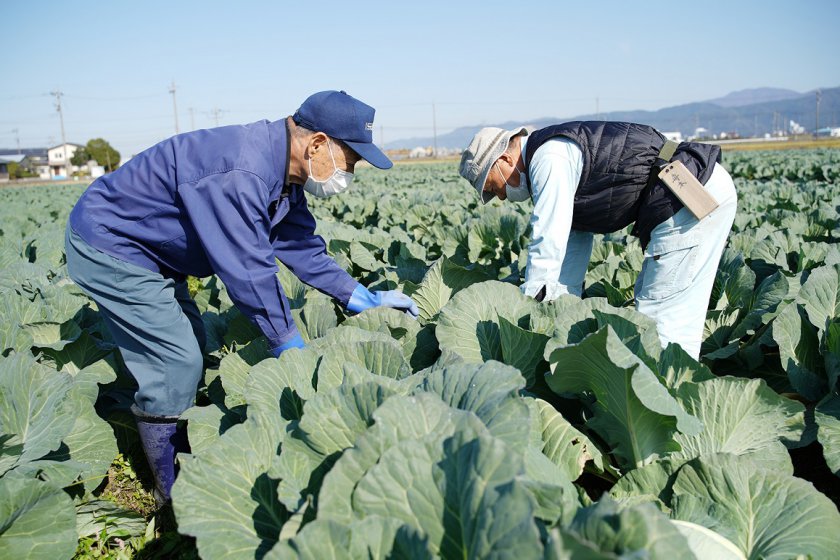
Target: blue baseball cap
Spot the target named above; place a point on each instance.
(344, 118)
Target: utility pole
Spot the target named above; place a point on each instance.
(597, 108)
(434, 130)
(17, 138)
(174, 105)
(192, 118)
(216, 112)
(817, 127)
(58, 94)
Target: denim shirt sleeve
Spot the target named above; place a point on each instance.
(229, 212)
(555, 171)
(297, 247)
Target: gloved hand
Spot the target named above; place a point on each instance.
(295, 342)
(362, 299)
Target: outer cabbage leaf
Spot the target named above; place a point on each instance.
(469, 323)
(32, 408)
(225, 498)
(467, 502)
(742, 417)
(767, 514)
(705, 543)
(234, 369)
(383, 358)
(630, 531)
(563, 444)
(400, 418)
(523, 349)
(634, 412)
(37, 519)
(489, 391)
(820, 296)
(331, 422)
(371, 537)
(799, 351)
(279, 387)
(443, 280)
(827, 416)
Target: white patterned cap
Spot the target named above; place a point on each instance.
(487, 145)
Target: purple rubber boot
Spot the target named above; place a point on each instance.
(161, 440)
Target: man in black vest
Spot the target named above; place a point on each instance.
(599, 177)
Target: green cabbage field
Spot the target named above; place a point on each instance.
(492, 427)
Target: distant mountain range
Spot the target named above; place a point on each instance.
(750, 112)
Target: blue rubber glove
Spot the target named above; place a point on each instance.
(362, 299)
(295, 342)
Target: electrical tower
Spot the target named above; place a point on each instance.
(817, 126)
(434, 130)
(58, 93)
(174, 105)
(216, 112)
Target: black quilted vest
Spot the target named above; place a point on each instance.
(617, 158)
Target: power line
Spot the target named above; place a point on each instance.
(131, 98)
(14, 97)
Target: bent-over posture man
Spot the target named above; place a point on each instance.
(599, 177)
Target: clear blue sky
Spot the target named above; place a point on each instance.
(479, 62)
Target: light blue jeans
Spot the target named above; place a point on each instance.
(679, 268)
(154, 321)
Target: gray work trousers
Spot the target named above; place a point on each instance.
(153, 320)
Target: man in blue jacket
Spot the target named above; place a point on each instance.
(224, 201)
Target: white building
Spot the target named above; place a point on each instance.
(59, 160)
(796, 128)
(673, 136)
(94, 169)
(420, 152)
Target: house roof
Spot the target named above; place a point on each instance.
(24, 151)
(68, 143)
(12, 158)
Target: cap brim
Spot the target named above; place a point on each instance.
(482, 194)
(371, 154)
(496, 151)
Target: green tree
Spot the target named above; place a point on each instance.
(17, 171)
(80, 157)
(106, 156)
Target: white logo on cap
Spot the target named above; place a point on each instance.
(368, 126)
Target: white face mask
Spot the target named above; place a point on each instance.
(516, 194)
(337, 182)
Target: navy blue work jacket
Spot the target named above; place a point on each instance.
(215, 201)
